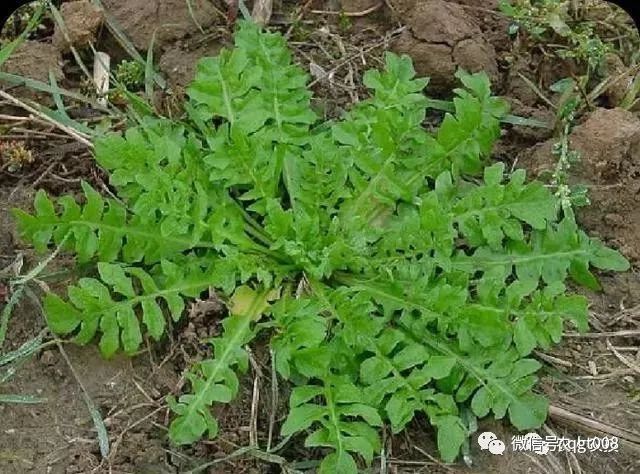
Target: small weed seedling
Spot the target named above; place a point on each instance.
(14, 155)
(547, 20)
(394, 272)
(130, 74)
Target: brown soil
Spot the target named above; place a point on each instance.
(81, 21)
(168, 20)
(58, 436)
(441, 37)
(34, 59)
(583, 375)
(179, 61)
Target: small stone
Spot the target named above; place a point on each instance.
(81, 21)
(168, 20)
(441, 38)
(48, 358)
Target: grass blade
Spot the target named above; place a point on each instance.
(65, 120)
(447, 106)
(39, 86)
(57, 17)
(57, 97)
(149, 72)
(526, 122)
(244, 10)
(25, 350)
(631, 97)
(6, 313)
(6, 376)
(21, 399)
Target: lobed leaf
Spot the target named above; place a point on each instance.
(214, 380)
(110, 306)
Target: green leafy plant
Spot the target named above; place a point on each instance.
(130, 74)
(14, 155)
(547, 20)
(569, 195)
(395, 271)
(563, 27)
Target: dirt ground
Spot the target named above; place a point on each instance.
(592, 381)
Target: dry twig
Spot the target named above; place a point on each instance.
(565, 416)
(79, 136)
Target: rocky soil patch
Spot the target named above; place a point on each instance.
(609, 144)
(442, 37)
